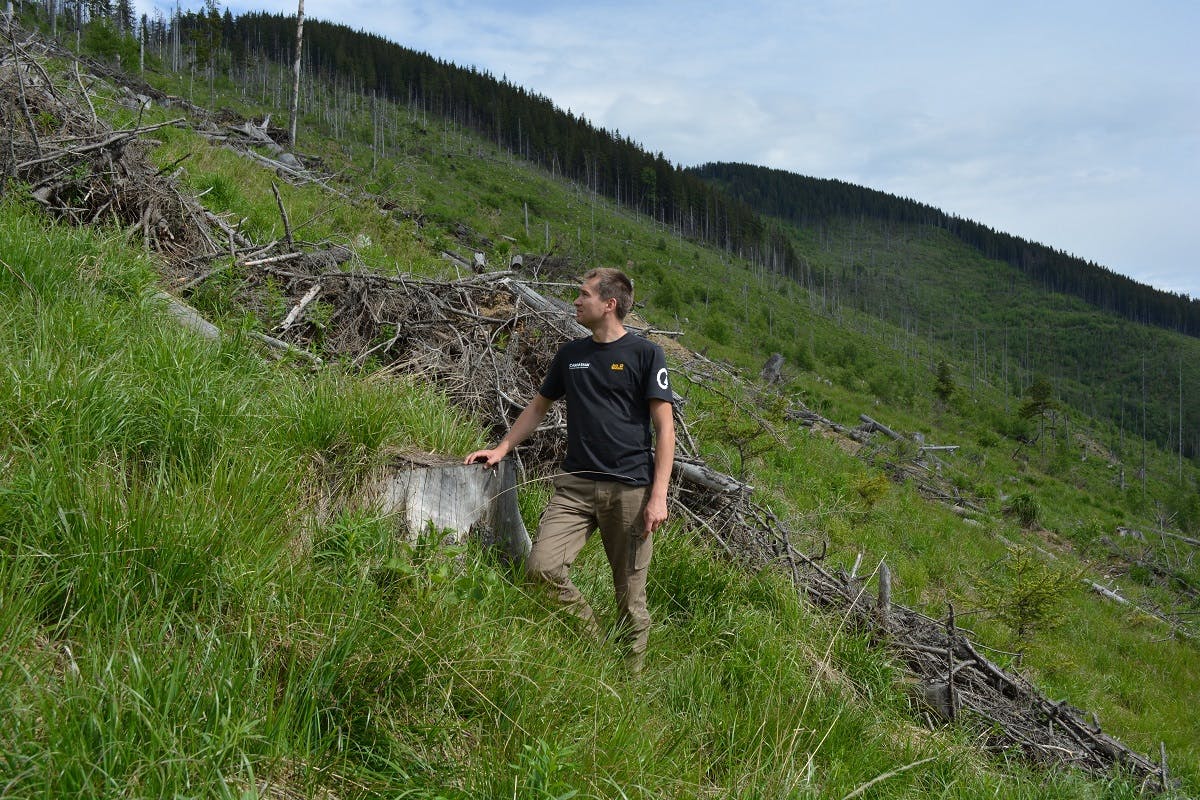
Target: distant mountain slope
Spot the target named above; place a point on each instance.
(523, 122)
(807, 201)
(748, 211)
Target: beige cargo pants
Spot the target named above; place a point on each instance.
(578, 508)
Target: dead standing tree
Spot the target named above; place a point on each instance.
(296, 78)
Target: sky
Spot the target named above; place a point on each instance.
(1073, 124)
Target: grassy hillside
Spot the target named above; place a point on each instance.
(183, 618)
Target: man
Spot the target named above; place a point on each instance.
(617, 388)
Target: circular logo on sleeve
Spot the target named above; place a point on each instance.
(662, 379)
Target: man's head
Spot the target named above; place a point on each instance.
(611, 284)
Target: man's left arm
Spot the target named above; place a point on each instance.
(663, 420)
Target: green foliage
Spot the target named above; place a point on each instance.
(182, 611)
(987, 439)
(667, 296)
(741, 432)
(1028, 593)
(542, 770)
(386, 668)
(801, 356)
(1039, 400)
(101, 38)
(1024, 506)
(1184, 507)
(872, 488)
(943, 386)
(716, 327)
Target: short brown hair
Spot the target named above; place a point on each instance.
(613, 284)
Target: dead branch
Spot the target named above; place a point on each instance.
(287, 226)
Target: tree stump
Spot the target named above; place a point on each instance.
(772, 371)
(457, 499)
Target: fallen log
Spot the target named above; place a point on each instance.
(709, 478)
(874, 425)
(191, 319)
(188, 317)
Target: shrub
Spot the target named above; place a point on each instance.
(667, 296)
(872, 488)
(716, 328)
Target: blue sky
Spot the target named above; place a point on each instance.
(1075, 124)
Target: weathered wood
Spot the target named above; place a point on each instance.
(257, 134)
(456, 498)
(951, 694)
(1178, 538)
(709, 478)
(883, 603)
(118, 137)
(772, 371)
(286, 347)
(298, 309)
(189, 317)
(879, 426)
(295, 107)
(1109, 594)
(455, 258)
(287, 225)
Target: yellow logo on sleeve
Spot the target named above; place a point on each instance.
(618, 367)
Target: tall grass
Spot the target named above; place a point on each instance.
(182, 616)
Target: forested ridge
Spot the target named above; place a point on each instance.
(524, 122)
(807, 201)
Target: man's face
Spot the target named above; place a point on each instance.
(589, 308)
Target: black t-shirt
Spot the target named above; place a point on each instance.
(608, 387)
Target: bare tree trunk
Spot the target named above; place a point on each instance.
(1143, 427)
(296, 82)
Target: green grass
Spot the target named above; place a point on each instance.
(182, 617)
(854, 364)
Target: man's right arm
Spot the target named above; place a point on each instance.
(525, 425)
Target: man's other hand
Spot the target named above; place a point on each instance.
(655, 515)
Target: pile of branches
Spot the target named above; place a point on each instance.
(905, 460)
(487, 340)
(955, 683)
(76, 166)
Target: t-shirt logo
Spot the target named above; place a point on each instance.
(662, 379)
(618, 367)
(580, 364)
